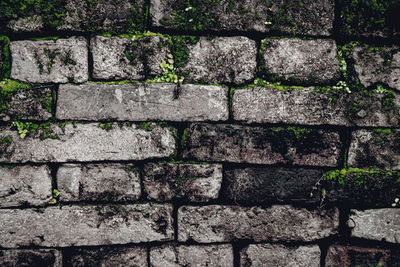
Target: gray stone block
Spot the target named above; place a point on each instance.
(50, 61)
(98, 182)
(191, 255)
(258, 145)
(86, 225)
(279, 255)
(21, 185)
(142, 101)
(300, 61)
(226, 223)
(31, 257)
(194, 182)
(87, 142)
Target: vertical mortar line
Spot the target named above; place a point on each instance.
(336, 18)
(344, 229)
(324, 251)
(148, 255)
(147, 22)
(53, 172)
(231, 91)
(55, 91)
(175, 207)
(345, 136)
(237, 247)
(90, 58)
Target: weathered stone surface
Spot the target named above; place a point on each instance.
(192, 255)
(98, 182)
(346, 256)
(194, 182)
(376, 224)
(49, 61)
(21, 185)
(236, 143)
(377, 65)
(221, 60)
(86, 225)
(300, 61)
(284, 16)
(106, 256)
(141, 102)
(226, 223)
(377, 149)
(124, 58)
(279, 255)
(87, 142)
(263, 185)
(28, 257)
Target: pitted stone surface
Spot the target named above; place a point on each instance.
(300, 61)
(304, 17)
(194, 182)
(86, 225)
(222, 60)
(377, 65)
(21, 185)
(377, 149)
(258, 145)
(106, 256)
(279, 255)
(376, 224)
(48, 61)
(142, 101)
(31, 257)
(88, 142)
(98, 182)
(216, 223)
(110, 57)
(191, 255)
(264, 185)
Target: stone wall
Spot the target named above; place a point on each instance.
(199, 133)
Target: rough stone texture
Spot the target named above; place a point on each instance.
(226, 223)
(141, 102)
(29, 104)
(377, 149)
(279, 255)
(263, 185)
(377, 65)
(192, 255)
(346, 256)
(106, 256)
(300, 61)
(98, 182)
(49, 61)
(21, 185)
(305, 17)
(86, 225)
(88, 142)
(194, 182)
(29, 24)
(28, 257)
(222, 60)
(376, 224)
(110, 57)
(236, 143)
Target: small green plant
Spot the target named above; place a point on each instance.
(56, 195)
(43, 129)
(106, 126)
(396, 202)
(169, 75)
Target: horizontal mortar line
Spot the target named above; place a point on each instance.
(366, 243)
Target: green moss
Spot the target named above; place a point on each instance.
(8, 166)
(179, 49)
(184, 137)
(138, 19)
(54, 38)
(7, 89)
(276, 85)
(6, 140)
(145, 125)
(42, 130)
(388, 131)
(295, 131)
(106, 126)
(47, 101)
(5, 57)
(65, 123)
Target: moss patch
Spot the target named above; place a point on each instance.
(41, 130)
(5, 63)
(7, 89)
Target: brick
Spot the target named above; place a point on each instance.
(87, 142)
(31, 257)
(258, 145)
(306, 17)
(193, 182)
(124, 58)
(142, 101)
(106, 256)
(265, 185)
(375, 148)
(49, 61)
(192, 255)
(300, 61)
(216, 223)
(25, 185)
(346, 256)
(279, 255)
(92, 225)
(98, 182)
(221, 60)
(376, 224)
